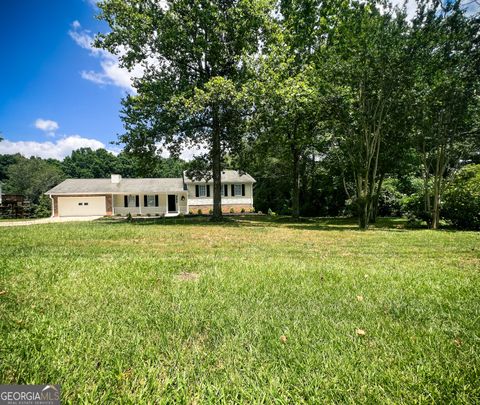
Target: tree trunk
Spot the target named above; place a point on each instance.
(216, 155)
(363, 213)
(375, 199)
(296, 183)
(437, 186)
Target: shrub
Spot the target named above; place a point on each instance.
(252, 209)
(190, 212)
(44, 207)
(270, 213)
(149, 215)
(242, 210)
(181, 215)
(129, 217)
(461, 199)
(232, 211)
(210, 211)
(199, 212)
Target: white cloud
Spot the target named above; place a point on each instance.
(111, 73)
(47, 126)
(56, 150)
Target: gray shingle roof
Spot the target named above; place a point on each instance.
(228, 176)
(126, 186)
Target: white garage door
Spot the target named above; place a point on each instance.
(81, 206)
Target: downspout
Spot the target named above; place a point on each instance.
(53, 206)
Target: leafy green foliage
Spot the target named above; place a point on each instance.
(32, 177)
(461, 199)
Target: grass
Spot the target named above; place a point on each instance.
(252, 311)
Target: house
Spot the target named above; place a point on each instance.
(118, 196)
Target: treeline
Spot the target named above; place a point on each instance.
(32, 177)
(334, 106)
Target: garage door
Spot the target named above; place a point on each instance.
(81, 206)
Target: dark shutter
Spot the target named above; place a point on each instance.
(233, 190)
(137, 201)
(145, 201)
(156, 200)
(208, 190)
(225, 190)
(196, 191)
(243, 190)
(125, 200)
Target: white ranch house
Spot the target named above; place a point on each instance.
(119, 196)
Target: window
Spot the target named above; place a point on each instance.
(80, 203)
(132, 200)
(85, 203)
(238, 190)
(202, 191)
(150, 201)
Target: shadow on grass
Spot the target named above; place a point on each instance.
(313, 224)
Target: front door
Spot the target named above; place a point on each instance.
(172, 203)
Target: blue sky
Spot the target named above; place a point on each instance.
(56, 94)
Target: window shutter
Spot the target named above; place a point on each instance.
(208, 190)
(156, 200)
(225, 190)
(137, 201)
(125, 200)
(233, 190)
(243, 190)
(196, 191)
(145, 202)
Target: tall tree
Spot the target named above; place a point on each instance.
(189, 51)
(447, 58)
(370, 73)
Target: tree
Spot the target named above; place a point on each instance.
(287, 114)
(371, 63)
(86, 163)
(446, 88)
(32, 177)
(189, 51)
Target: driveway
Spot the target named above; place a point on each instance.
(47, 221)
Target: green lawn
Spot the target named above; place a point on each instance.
(100, 308)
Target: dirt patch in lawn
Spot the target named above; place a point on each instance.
(186, 276)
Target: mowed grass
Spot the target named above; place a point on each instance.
(100, 309)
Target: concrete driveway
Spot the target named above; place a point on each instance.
(47, 221)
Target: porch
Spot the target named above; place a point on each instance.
(168, 204)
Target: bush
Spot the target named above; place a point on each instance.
(129, 217)
(252, 209)
(242, 210)
(190, 212)
(199, 212)
(210, 211)
(461, 199)
(232, 211)
(270, 213)
(44, 207)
